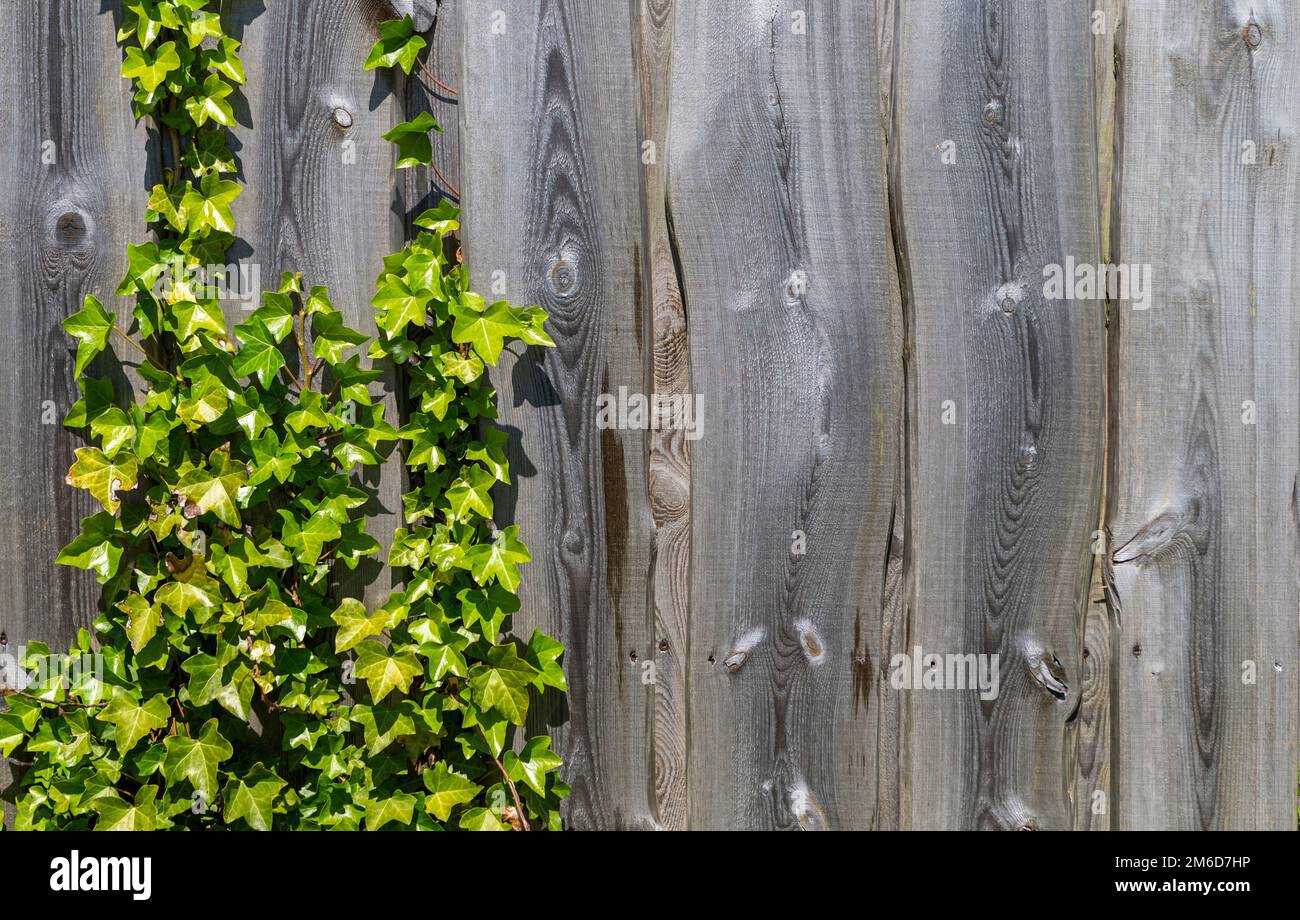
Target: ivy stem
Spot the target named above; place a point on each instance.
(443, 179)
(519, 808)
(292, 379)
(133, 343)
(442, 86)
(11, 692)
(302, 350)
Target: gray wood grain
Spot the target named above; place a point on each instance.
(1004, 499)
(1089, 733)
(320, 189)
(669, 463)
(551, 178)
(797, 257)
(64, 227)
(1203, 504)
(423, 187)
(777, 198)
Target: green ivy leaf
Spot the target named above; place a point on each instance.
(143, 620)
(531, 765)
(200, 597)
(102, 477)
(447, 789)
(330, 337)
(385, 670)
(225, 61)
(543, 653)
(96, 548)
(252, 798)
(498, 560)
(470, 494)
(210, 103)
(208, 206)
(258, 353)
(442, 219)
(196, 759)
(399, 807)
(207, 402)
(355, 623)
(309, 539)
(90, 326)
(193, 317)
(210, 681)
(150, 70)
(276, 314)
(117, 814)
(486, 330)
(398, 45)
(412, 140)
(214, 488)
(114, 430)
(501, 683)
(480, 819)
(401, 307)
(200, 25)
(132, 720)
(384, 725)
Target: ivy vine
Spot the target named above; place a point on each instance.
(224, 683)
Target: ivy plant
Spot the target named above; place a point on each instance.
(225, 681)
(462, 571)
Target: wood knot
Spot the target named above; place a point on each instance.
(572, 541)
(663, 645)
(796, 286)
(71, 228)
(993, 113)
(1047, 671)
(1008, 296)
(341, 117)
(1252, 35)
(562, 278)
(813, 649)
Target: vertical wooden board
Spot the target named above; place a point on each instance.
(73, 198)
(1090, 731)
(777, 200)
(1003, 500)
(319, 193)
(1203, 495)
(670, 450)
(551, 178)
(423, 187)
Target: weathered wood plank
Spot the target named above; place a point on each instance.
(1004, 499)
(670, 456)
(320, 188)
(1090, 730)
(1203, 493)
(551, 177)
(777, 199)
(423, 187)
(73, 198)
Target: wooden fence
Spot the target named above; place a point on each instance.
(827, 223)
